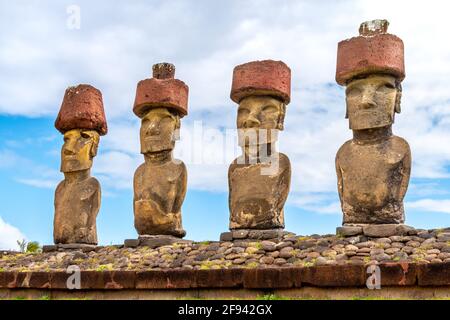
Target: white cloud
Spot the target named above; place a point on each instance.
(430, 205)
(39, 183)
(9, 235)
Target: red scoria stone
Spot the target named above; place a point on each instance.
(82, 108)
(265, 77)
(161, 91)
(371, 52)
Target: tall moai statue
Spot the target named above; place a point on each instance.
(373, 168)
(259, 179)
(160, 182)
(81, 120)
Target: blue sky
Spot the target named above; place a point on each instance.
(115, 47)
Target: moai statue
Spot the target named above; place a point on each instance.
(81, 120)
(373, 168)
(259, 179)
(160, 182)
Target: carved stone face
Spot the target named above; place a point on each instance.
(80, 147)
(259, 119)
(158, 130)
(372, 101)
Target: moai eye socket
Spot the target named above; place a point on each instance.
(352, 91)
(269, 109)
(85, 135)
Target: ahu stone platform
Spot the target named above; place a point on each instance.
(327, 266)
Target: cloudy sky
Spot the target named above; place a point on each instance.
(43, 50)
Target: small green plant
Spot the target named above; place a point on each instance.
(29, 247)
(206, 265)
(309, 264)
(104, 267)
(33, 247)
(252, 265)
(339, 235)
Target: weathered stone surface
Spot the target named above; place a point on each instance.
(131, 243)
(385, 230)
(49, 248)
(78, 197)
(268, 245)
(257, 199)
(334, 276)
(373, 51)
(272, 278)
(76, 246)
(161, 91)
(226, 236)
(434, 274)
(154, 241)
(240, 234)
(266, 234)
(259, 179)
(348, 231)
(253, 234)
(160, 182)
(373, 168)
(256, 78)
(82, 108)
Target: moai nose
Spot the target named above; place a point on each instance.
(251, 122)
(367, 101)
(69, 149)
(153, 128)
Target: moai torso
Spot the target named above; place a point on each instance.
(76, 207)
(256, 200)
(372, 180)
(159, 191)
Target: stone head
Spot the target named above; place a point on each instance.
(159, 130)
(372, 101)
(79, 149)
(259, 119)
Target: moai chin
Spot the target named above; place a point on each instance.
(160, 182)
(259, 179)
(81, 120)
(373, 168)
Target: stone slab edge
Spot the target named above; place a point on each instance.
(392, 274)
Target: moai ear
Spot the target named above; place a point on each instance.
(176, 133)
(280, 124)
(398, 98)
(95, 138)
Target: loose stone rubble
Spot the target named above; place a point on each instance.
(421, 246)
